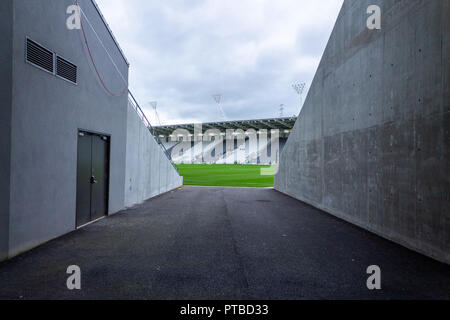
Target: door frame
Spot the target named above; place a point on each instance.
(108, 170)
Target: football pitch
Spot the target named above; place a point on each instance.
(224, 175)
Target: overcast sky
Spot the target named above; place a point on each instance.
(251, 51)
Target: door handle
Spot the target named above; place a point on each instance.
(93, 181)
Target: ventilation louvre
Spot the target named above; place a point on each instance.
(66, 70)
(39, 56)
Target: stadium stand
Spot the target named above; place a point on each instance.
(179, 141)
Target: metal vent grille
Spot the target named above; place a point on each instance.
(66, 70)
(39, 56)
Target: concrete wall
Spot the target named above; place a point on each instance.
(148, 170)
(47, 113)
(41, 115)
(6, 15)
(371, 144)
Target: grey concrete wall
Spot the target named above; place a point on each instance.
(47, 113)
(148, 170)
(371, 144)
(6, 16)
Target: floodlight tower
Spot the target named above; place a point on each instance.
(217, 98)
(154, 104)
(281, 110)
(299, 88)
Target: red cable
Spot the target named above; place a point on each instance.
(93, 62)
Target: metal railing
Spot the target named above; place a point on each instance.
(146, 122)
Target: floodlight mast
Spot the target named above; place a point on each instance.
(154, 104)
(281, 110)
(217, 98)
(299, 88)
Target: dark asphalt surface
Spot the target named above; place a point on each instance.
(222, 243)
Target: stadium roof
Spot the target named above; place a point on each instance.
(269, 124)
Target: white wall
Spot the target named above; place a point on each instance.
(148, 171)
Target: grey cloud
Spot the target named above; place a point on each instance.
(182, 52)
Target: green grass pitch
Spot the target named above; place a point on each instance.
(225, 175)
